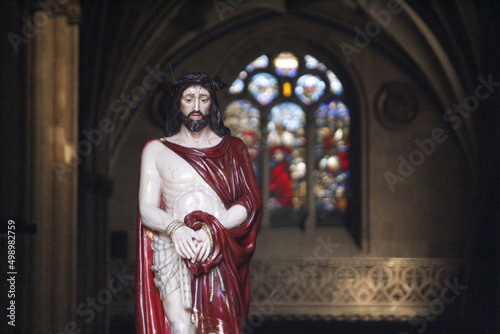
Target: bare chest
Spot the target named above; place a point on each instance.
(175, 170)
(184, 189)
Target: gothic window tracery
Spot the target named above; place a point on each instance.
(290, 112)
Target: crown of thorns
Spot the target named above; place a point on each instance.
(190, 79)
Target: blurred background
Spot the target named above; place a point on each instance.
(372, 127)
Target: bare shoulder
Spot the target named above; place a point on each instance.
(153, 147)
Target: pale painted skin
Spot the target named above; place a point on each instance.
(163, 172)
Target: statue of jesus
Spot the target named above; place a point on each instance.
(200, 210)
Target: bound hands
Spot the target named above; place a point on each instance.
(190, 244)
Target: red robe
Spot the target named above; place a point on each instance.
(220, 286)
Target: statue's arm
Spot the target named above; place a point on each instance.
(149, 191)
(250, 200)
(152, 215)
(234, 216)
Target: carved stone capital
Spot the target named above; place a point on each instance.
(70, 8)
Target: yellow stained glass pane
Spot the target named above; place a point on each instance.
(287, 89)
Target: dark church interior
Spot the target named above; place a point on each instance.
(373, 128)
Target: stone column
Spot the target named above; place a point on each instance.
(53, 112)
(310, 223)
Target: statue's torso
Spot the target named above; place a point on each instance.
(183, 189)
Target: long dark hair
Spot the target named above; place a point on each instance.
(177, 87)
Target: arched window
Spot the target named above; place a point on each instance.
(290, 113)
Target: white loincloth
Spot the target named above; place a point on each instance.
(170, 271)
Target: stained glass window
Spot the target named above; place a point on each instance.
(286, 140)
(309, 88)
(243, 119)
(286, 64)
(335, 84)
(264, 88)
(272, 101)
(238, 84)
(332, 162)
(313, 63)
(259, 62)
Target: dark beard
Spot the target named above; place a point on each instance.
(195, 125)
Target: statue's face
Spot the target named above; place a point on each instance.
(195, 106)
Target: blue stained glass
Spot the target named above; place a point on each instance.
(288, 115)
(335, 84)
(238, 85)
(309, 88)
(264, 88)
(286, 140)
(259, 62)
(332, 162)
(313, 63)
(333, 109)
